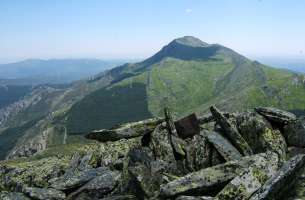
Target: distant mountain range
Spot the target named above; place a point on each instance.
(186, 75)
(53, 71)
(18, 79)
(294, 64)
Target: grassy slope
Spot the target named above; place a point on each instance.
(289, 86)
(278, 88)
(182, 85)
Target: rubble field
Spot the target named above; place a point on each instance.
(257, 154)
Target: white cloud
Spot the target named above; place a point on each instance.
(188, 10)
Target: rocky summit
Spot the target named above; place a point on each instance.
(257, 154)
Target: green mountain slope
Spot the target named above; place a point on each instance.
(187, 75)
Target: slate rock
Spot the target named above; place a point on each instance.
(194, 198)
(76, 179)
(44, 193)
(161, 148)
(97, 187)
(223, 146)
(277, 116)
(294, 133)
(176, 143)
(274, 141)
(198, 152)
(120, 197)
(249, 181)
(144, 175)
(252, 126)
(125, 131)
(231, 132)
(293, 151)
(285, 177)
(12, 196)
(298, 190)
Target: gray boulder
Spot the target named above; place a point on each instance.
(44, 193)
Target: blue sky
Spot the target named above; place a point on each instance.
(139, 28)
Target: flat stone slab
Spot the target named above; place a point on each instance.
(284, 178)
(125, 131)
(223, 146)
(276, 115)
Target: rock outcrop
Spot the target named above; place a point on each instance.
(250, 155)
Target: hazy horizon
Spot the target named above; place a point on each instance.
(292, 63)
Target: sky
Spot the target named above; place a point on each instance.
(131, 29)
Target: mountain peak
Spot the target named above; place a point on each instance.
(190, 41)
(184, 48)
